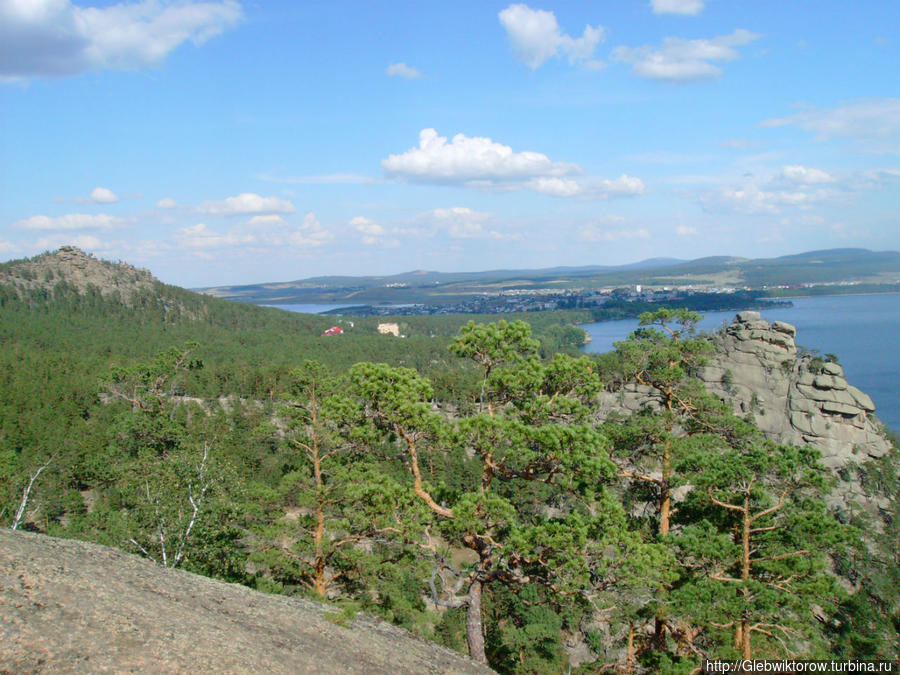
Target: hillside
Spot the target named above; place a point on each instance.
(80, 272)
(859, 266)
(69, 606)
(479, 487)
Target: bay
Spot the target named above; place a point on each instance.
(309, 308)
(862, 330)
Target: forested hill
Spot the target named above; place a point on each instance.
(91, 307)
(481, 484)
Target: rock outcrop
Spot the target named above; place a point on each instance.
(794, 397)
(71, 607)
(797, 399)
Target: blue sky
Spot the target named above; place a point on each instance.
(225, 142)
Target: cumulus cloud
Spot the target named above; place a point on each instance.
(58, 38)
(469, 159)
(680, 60)
(484, 164)
(689, 7)
(373, 234)
(167, 203)
(245, 204)
(367, 226)
(102, 195)
(536, 36)
(752, 199)
(69, 221)
(310, 233)
(260, 232)
(803, 176)
(685, 230)
(200, 236)
(403, 70)
(589, 188)
(268, 220)
(875, 123)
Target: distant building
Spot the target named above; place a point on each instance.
(334, 330)
(389, 329)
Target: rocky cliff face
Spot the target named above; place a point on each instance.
(794, 397)
(72, 607)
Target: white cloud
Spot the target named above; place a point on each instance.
(266, 220)
(199, 236)
(403, 70)
(310, 233)
(689, 7)
(260, 232)
(367, 226)
(801, 175)
(484, 164)
(875, 123)
(246, 203)
(685, 230)
(167, 203)
(594, 233)
(536, 36)
(680, 60)
(461, 222)
(588, 188)
(752, 199)
(59, 38)
(470, 159)
(373, 233)
(70, 221)
(557, 187)
(102, 195)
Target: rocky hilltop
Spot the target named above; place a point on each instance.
(798, 399)
(795, 397)
(80, 271)
(72, 607)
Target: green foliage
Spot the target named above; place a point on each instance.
(482, 465)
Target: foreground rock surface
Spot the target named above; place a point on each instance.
(72, 607)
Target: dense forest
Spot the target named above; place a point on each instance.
(457, 482)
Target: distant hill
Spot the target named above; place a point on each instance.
(79, 271)
(436, 288)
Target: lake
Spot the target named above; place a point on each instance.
(862, 330)
(309, 308)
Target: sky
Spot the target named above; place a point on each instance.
(224, 142)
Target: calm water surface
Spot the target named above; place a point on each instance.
(309, 309)
(862, 330)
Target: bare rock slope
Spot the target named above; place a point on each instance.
(72, 607)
